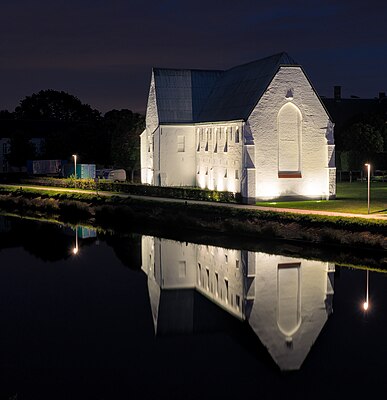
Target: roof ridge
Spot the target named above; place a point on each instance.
(278, 55)
(189, 69)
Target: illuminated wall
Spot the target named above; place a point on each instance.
(219, 156)
(293, 140)
(285, 148)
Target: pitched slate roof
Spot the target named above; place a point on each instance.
(181, 93)
(185, 95)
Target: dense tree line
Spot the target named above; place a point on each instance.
(363, 138)
(72, 127)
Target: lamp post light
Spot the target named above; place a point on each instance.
(75, 165)
(368, 165)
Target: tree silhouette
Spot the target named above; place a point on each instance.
(55, 106)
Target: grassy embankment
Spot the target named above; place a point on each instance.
(351, 198)
(120, 214)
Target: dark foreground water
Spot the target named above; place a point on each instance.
(86, 315)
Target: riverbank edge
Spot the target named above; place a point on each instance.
(116, 213)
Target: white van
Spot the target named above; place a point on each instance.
(117, 175)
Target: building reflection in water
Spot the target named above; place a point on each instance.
(285, 300)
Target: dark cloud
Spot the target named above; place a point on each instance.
(103, 51)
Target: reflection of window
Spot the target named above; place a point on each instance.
(180, 144)
(182, 269)
(226, 285)
(289, 136)
(289, 298)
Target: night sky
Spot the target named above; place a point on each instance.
(103, 51)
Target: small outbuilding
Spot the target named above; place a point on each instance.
(258, 129)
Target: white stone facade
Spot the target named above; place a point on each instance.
(286, 300)
(282, 147)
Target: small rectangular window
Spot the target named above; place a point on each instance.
(237, 135)
(236, 174)
(181, 144)
(237, 264)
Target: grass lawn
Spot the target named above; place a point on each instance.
(350, 198)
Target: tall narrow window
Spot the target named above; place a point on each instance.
(180, 144)
(237, 135)
(289, 141)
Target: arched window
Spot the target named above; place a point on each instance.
(289, 141)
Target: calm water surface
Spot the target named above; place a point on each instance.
(102, 316)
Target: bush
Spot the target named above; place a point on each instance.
(189, 193)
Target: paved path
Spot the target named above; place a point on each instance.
(209, 203)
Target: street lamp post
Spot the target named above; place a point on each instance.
(368, 179)
(75, 165)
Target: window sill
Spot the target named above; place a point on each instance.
(289, 175)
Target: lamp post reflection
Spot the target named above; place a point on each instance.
(366, 303)
(76, 247)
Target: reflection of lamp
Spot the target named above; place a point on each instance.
(76, 248)
(366, 303)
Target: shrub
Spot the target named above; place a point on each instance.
(189, 193)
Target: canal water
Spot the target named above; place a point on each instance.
(96, 315)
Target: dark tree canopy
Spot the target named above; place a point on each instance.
(55, 105)
(124, 128)
(363, 138)
(71, 127)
